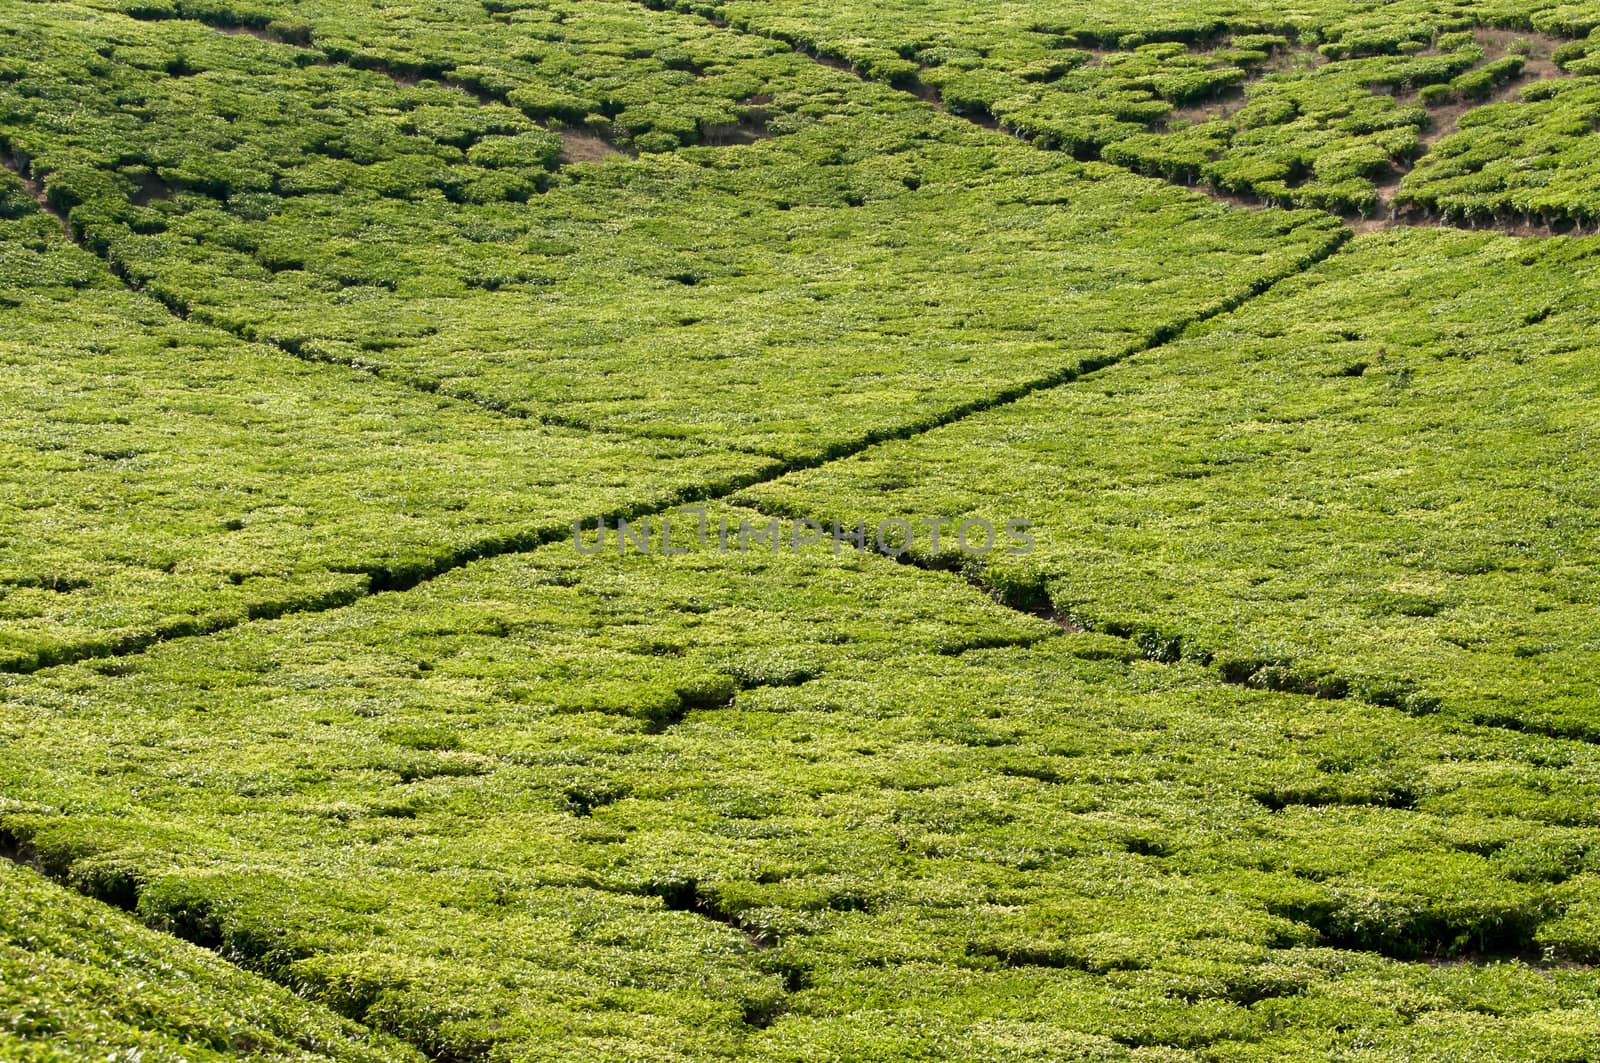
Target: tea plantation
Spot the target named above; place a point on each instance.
(624, 530)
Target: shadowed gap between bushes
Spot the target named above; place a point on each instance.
(689, 895)
(23, 171)
(195, 919)
(1428, 934)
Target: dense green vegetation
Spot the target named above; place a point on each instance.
(1326, 106)
(508, 304)
(1322, 135)
(1533, 157)
(1377, 480)
(782, 806)
(1321, 105)
(165, 478)
(764, 288)
(325, 323)
(78, 981)
(603, 66)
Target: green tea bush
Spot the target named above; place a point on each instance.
(1279, 744)
(1436, 95)
(959, 812)
(1520, 160)
(1154, 481)
(82, 981)
(365, 262)
(1308, 74)
(233, 451)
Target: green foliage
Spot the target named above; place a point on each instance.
(1371, 482)
(1319, 84)
(78, 981)
(746, 805)
(341, 253)
(165, 478)
(385, 248)
(1280, 744)
(1528, 159)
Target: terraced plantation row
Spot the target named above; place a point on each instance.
(77, 979)
(780, 354)
(775, 806)
(167, 478)
(325, 324)
(1352, 108)
(1377, 480)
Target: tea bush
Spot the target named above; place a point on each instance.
(1373, 481)
(1158, 87)
(764, 287)
(164, 478)
(78, 982)
(325, 324)
(763, 805)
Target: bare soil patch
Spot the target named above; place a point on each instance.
(578, 145)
